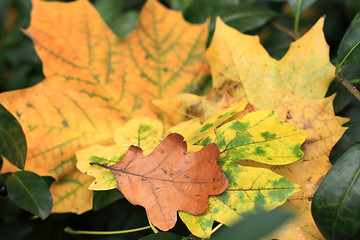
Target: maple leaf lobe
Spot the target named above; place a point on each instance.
(170, 179)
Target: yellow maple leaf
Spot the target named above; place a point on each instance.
(317, 115)
(305, 70)
(95, 82)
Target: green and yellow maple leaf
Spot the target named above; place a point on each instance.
(94, 82)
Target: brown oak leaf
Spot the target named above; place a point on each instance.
(169, 179)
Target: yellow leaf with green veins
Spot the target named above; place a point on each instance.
(142, 132)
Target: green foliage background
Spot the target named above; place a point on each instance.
(20, 67)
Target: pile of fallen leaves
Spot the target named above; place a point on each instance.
(114, 109)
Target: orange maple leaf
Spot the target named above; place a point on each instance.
(169, 179)
(95, 82)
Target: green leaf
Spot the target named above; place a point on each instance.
(352, 7)
(30, 192)
(349, 48)
(121, 22)
(246, 17)
(1, 162)
(109, 9)
(298, 6)
(48, 180)
(336, 205)
(162, 236)
(179, 5)
(13, 143)
(342, 98)
(254, 227)
(102, 199)
(243, 17)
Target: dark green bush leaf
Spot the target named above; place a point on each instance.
(121, 22)
(342, 98)
(349, 48)
(14, 231)
(30, 192)
(246, 17)
(104, 198)
(336, 204)
(243, 17)
(13, 142)
(4, 9)
(48, 180)
(352, 7)
(179, 5)
(254, 227)
(162, 236)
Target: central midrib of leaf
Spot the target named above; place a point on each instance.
(259, 189)
(28, 192)
(159, 56)
(146, 177)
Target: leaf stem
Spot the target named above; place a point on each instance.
(290, 34)
(357, 80)
(152, 227)
(216, 228)
(348, 85)
(297, 15)
(71, 231)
